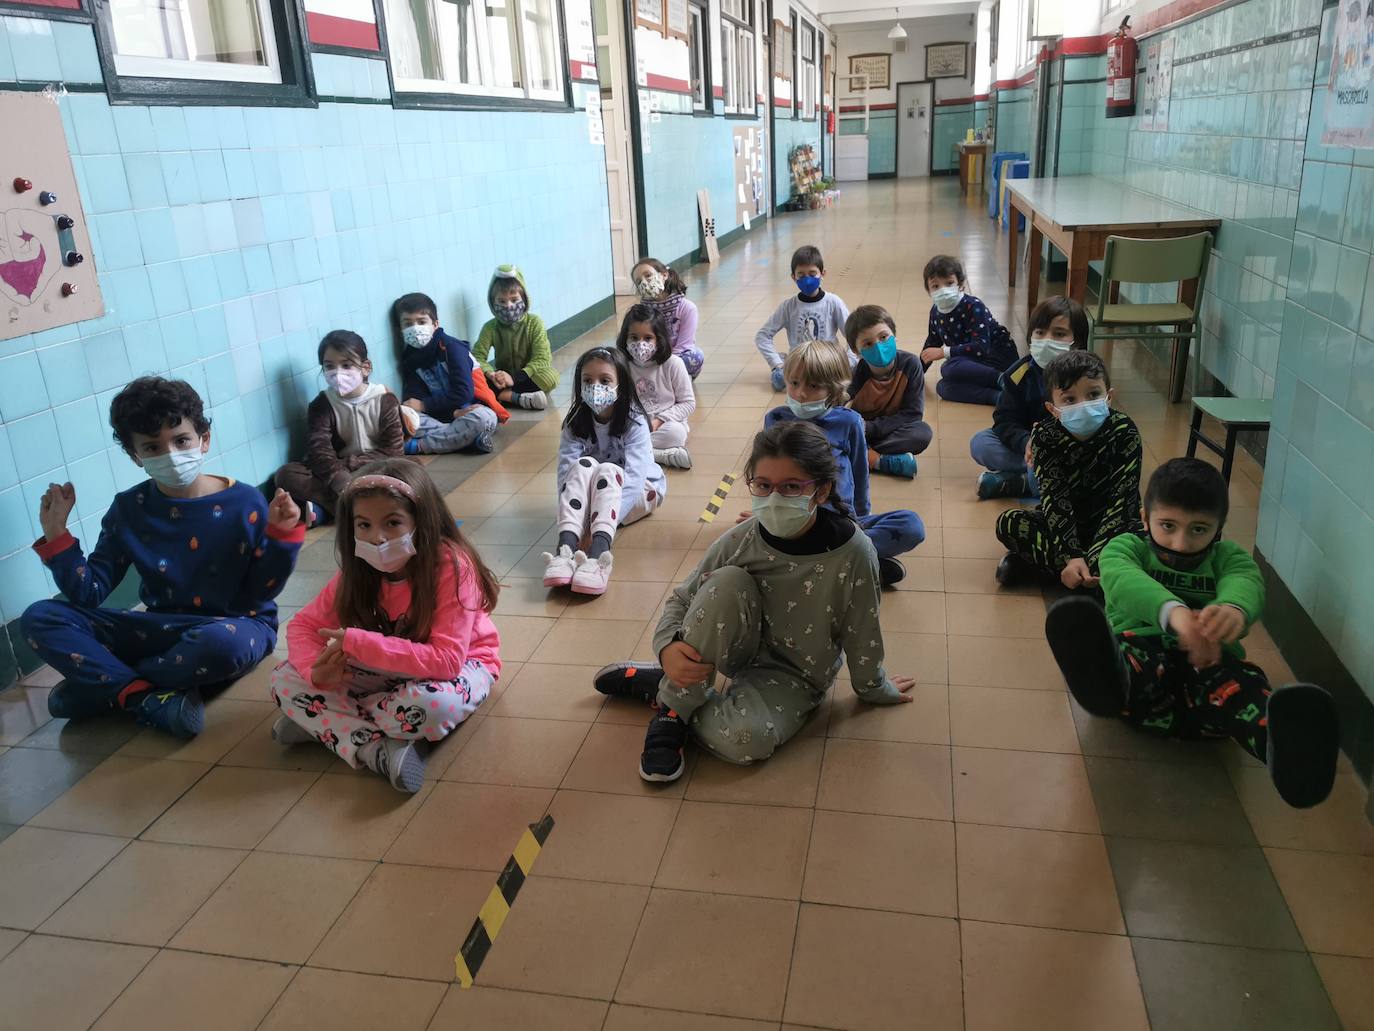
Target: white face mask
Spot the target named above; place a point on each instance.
(417, 336)
(175, 468)
(344, 381)
(651, 284)
(642, 351)
(947, 298)
(1045, 349)
(599, 396)
(388, 556)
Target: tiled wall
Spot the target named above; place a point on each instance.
(882, 140)
(1014, 113)
(951, 124)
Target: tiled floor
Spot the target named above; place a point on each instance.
(988, 857)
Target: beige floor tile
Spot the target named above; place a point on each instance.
(1350, 983)
(1003, 662)
(976, 576)
(589, 642)
(521, 635)
(23, 710)
(1042, 878)
(346, 817)
(908, 965)
(145, 894)
(609, 761)
(1331, 898)
(962, 542)
(887, 778)
(618, 839)
(9, 941)
(1016, 978)
(652, 535)
(518, 752)
(923, 573)
(468, 825)
(379, 933)
(996, 615)
(179, 990)
(723, 954)
(503, 559)
(480, 1007)
(631, 600)
(913, 612)
(737, 850)
(920, 656)
(227, 722)
(789, 777)
(1023, 789)
(231, 807)
(529, 597)
(256, 685)
(353, 1002)
(274, 907)
(1337, 825)
(36, 981)
(468, 504)
(925, 719)
(122, 796)
(504, 529)
(566, 937)
(978, 515)
(638, 564)
(997, 717)
(258, 750)
(553, 691)
(882, 862)
(44, 868)
(637, 1018)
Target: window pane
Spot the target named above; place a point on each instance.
(219, 31)
(747, 95)
(727, 64)
(696, 54)
(731, 7)
(541, 45)
(466, 42)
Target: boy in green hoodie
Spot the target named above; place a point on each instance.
(1166, 655)
(522, 371)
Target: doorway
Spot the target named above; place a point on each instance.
(915, 116)
(608, 18)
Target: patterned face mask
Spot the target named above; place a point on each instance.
(651, 284)
(510, 313)
(599, 396)
(417, 336)
(642, 352)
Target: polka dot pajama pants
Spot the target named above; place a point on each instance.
(367, 706)
(591, 500)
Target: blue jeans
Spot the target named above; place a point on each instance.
(987, 450)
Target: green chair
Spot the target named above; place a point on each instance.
(1182, 260)
(1234, 414)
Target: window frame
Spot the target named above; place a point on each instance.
(432, 94)
(794, 34)
(287, 39)
(993, 32)
(739, 29)
(699, 21)
(810, 91)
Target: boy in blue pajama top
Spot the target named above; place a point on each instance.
(817, 381)
(211, 553)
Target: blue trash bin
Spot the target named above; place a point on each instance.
(993, 175)
(1013, 170)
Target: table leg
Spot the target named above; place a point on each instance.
(1013, 240)
(963, 173)
(1035, 243)
(1077, 286)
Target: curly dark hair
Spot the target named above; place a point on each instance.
(151, 404)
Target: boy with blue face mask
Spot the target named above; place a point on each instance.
(975, 348)
(888, 391)
(1086, 459)
(812, 314)
(211, 555)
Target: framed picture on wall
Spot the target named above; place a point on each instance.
(649, 13)
(675, 19)
(782, 59)
(947, 61)
(878, 68)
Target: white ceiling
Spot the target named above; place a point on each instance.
(845, 12)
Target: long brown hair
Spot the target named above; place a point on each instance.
(437, 539)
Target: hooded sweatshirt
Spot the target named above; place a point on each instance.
(521, 346)
(344, 434)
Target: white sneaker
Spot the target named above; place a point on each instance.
(536, 400)
(559, 568)
(673, 457)
(593, 574)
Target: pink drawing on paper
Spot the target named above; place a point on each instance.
(27, 254)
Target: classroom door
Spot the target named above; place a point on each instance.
(608, 17)
(915, 114)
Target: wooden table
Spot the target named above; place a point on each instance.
(967, 152)
(1078, 212)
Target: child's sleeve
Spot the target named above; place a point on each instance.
(763, 339)
(321, 459)
(460, 392)
(687, 320)
(1053, 477)
(390, 436)
(570, 449)
(858, 465)
(274, 556)
(303, 640)
(1009, 420)
(981, 330)
(456, 608)
(539, 367)
(684, 396)
(863, 636)
(1122, 488)
(639, 460)
(841, 314)
(861, 375)
(675, 606)
(87, 580)
(1239, 581)
(1133, 592)
(933, 337)
(480, 350)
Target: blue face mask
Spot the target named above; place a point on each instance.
(1085, 419)
(881, 354)
(808, 285)
(807, 409)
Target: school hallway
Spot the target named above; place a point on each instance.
(986, 858)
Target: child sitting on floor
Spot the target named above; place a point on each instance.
(664, 291)
(436, 372)
(773, 604)
(812, 314)
(975, 347)
(661, 383)
(521, 370)
(888, 391)
(399, 647)
(1166, 657)
(211, 555)
(1087, 462)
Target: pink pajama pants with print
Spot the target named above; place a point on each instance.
(590, 499)
(367, 706)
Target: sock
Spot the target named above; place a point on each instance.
(873, 458)
(569, 539)
(601, 543)
(367, 755)
(131, 690)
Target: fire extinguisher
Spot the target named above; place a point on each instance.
(1121, 58)
(830, 123)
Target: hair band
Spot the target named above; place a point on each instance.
(380, 481)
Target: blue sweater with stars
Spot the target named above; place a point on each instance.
(208, 556)
(970, 331)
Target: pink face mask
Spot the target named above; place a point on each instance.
(345, 381)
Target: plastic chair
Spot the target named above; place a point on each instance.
(1181, 260)
(1013, 170)
(994, 172)
(1235, 414)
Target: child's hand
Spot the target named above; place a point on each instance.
(282, 512)
(411, 403)
(743, 516)
(932, 354)
(1201, 652)
(904, 685)
(54, 509)
(328, 667)
(683, 664)
(1077, 574)
(1029, 457)
(502, 380)
(1221, 624)
(655, 424)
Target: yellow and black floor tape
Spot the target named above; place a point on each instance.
(718, 497)
(497, 907)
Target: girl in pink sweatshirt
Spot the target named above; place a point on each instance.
(399, 648)
(661, 381)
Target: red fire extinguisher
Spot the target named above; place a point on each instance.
(1121, 58)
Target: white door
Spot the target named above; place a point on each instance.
(915, 115)
(608, 17)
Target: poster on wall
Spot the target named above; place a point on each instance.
(1349, 106)
(1149, 87)
(675, 18)
(878, 68)
(1164, 84)
(947, 61)
(649, 13)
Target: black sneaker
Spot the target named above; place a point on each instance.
(890, 572)
(1013, 570)
(662, 761)
(179, 713)
(1085, 649)
(637, 680)
(1304, 742)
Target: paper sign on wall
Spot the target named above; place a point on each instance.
(1349, 105)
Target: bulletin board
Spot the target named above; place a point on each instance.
(751, 187)
(47, 271)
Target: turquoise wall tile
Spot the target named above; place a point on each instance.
(31, 440)
(1352, 274)
(9, 474)
(1360, 398)
(202, 281)
(33, 49)
(169, 288)
(144, 175)
(134, 127)
(129, 296)
(106, 189)
(119, 242)
(210, 174)
(80, 429)
(95, 125)
(189, 226)
(107, 361)
(14, 521)
(22, 577)
(179, 177)
(24, 393)
(169, 123)
(143, 345)
(157, 234)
